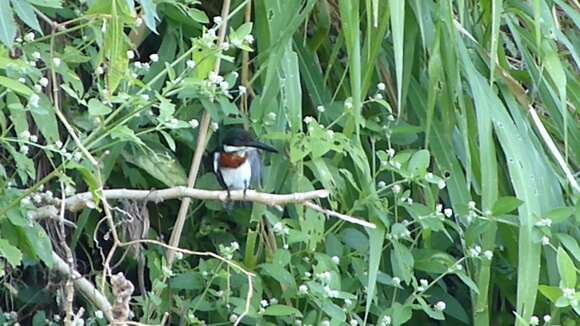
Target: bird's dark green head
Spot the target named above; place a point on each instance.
(238, 137)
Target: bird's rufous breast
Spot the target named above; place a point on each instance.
(231, 160)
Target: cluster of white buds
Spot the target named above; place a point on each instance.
(423, 284)
(385, 321)
(545, 222)
(280, 229)
(440, 306)
(475, 251)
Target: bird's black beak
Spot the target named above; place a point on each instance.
(262, 146)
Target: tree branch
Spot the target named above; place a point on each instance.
(84, 286)
(85, 200)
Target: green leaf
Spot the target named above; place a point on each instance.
(559, 215)
(566, 269)
(397, 9)
(47, 3)
(40, 243)
(376, 237)
(505, 205)
(401, 313)
(187, 281)
(11, 253)
(402, 261)
(15, 85)
(97, 108)
(550, 292)
(281, 275)
(571, 244)
(26, 13)
(162, 165)
(355, 239)
(419, 163)
(168, 139)
(45, 119)
(282, 310)
(7, 24)
(17, 113)
(150, 14)
(166, 110)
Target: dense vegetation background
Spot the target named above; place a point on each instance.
(451, 126)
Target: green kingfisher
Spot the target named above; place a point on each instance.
(237, 163)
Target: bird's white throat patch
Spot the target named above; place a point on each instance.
(232, 149)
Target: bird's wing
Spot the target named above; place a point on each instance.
(216, 170)
(257, 168)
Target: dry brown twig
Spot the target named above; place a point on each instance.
(199, 148)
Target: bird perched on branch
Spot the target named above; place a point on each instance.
(237, 162)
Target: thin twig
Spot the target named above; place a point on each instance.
(553, 149)
(249, 275)
(343, 217)
(199, 149)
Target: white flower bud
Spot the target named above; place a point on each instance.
(440, 306)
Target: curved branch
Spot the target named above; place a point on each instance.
(85, 200)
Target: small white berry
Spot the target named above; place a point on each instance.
(320, 109)
(441, 184)
(154, 57)
(190, 64)
(233, 318)
(534, 320)
(217, 20)
(381, 86)
(56, 61)
(448, 212)
(396, 189)
(36, 55)
(303, 289)
(130, 54)
(335, 259)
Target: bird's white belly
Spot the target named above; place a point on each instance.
(238, 178)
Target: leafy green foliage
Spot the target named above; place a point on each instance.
(414, 115)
